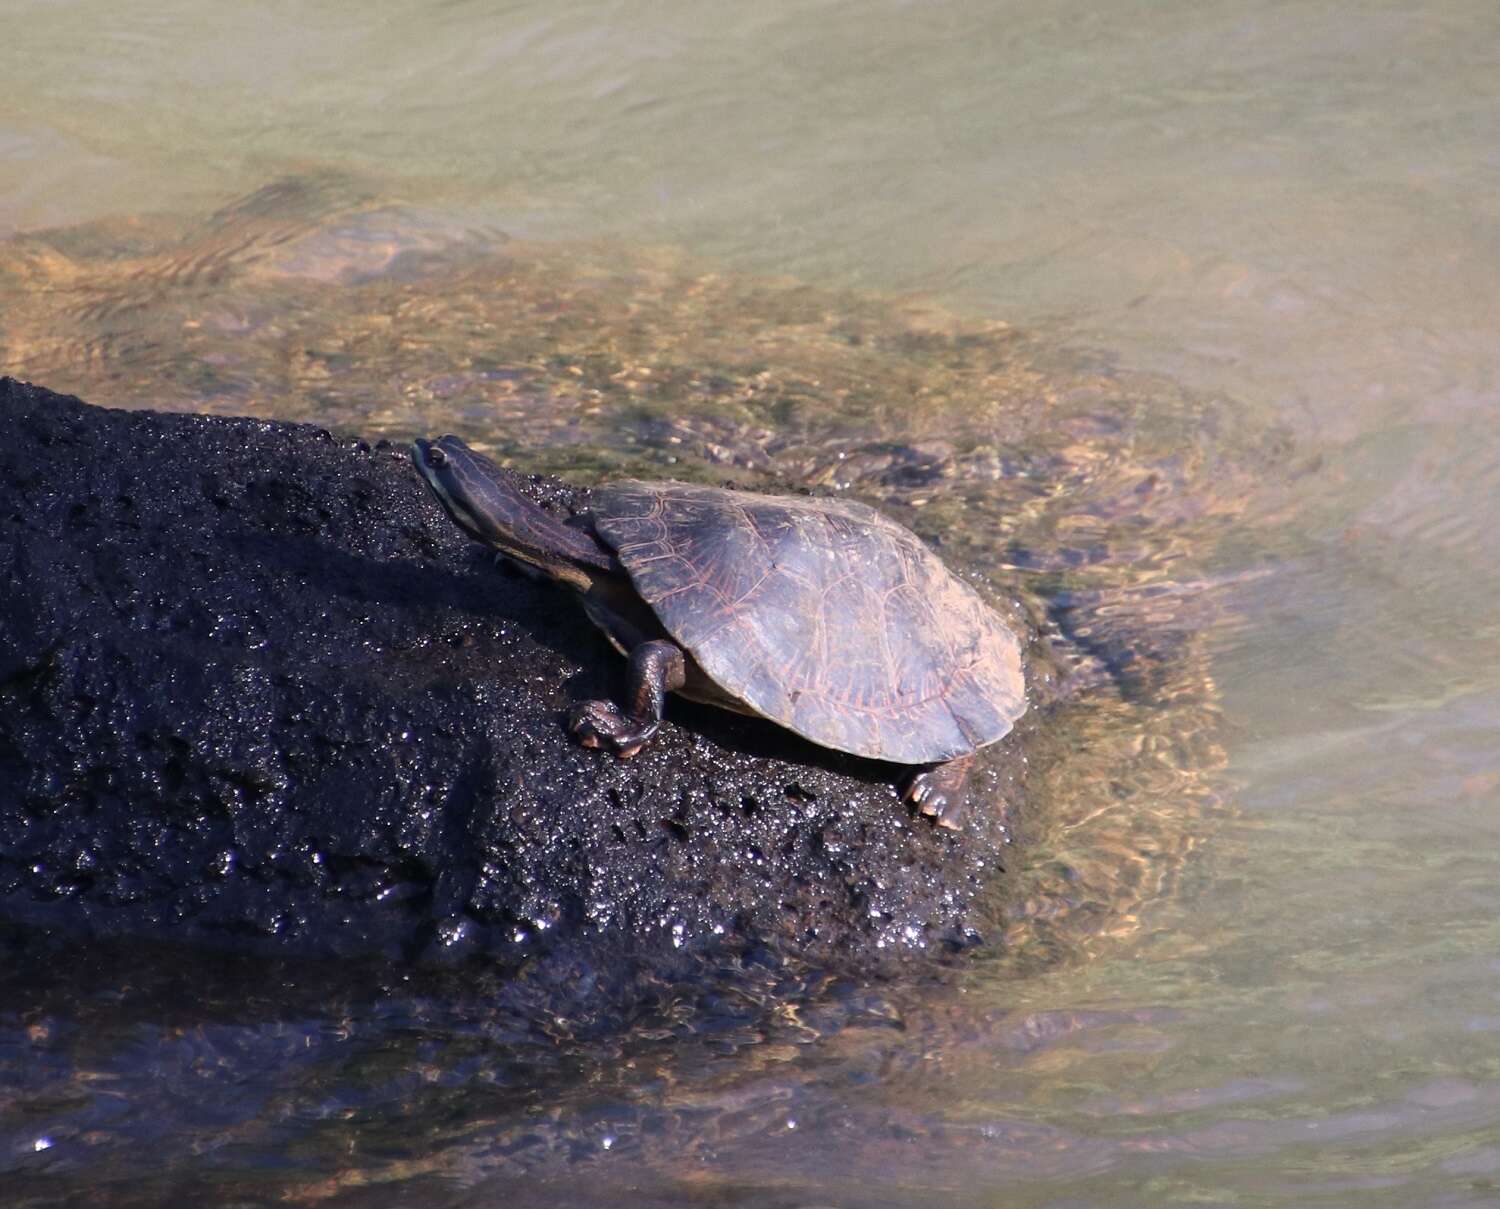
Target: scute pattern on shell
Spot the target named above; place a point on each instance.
(822, 615)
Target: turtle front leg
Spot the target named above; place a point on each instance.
(938, 790)
(656, 669)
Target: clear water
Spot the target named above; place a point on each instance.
(1284, 212)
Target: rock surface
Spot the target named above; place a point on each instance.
(257, 691)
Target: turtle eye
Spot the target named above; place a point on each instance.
(436, 457)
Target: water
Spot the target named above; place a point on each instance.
(1263, 238)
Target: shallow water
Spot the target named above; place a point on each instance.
(1249, 255)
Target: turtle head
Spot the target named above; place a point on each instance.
(486, 502)
(470, 487)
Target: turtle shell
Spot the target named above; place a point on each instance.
(822, 615)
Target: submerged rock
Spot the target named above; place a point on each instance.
(255, 689)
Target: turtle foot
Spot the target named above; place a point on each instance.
(938, 791)
(602, 724)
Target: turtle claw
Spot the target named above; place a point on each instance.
(938, 792)
(601, 724)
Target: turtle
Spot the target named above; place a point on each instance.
(822, 615)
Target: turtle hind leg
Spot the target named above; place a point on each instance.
(656, 669)
(940, 790)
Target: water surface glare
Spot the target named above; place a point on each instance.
(1249, 256)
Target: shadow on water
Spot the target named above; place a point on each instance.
(1090, 506)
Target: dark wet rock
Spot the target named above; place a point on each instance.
(255, 690)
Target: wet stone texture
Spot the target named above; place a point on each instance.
(256, 691)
